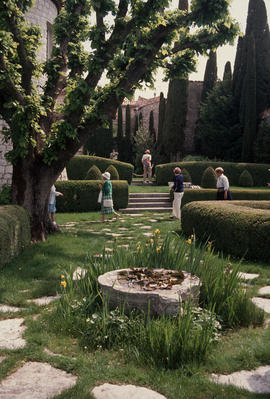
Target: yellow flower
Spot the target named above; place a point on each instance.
(62, 276)
(158, 249)
(63, 283)
(157, 231)
(138, 248)
(189, 241)
(151, 240)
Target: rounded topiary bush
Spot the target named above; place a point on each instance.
(93, 173)
(209, 178)
(245, 179)
(113, 171)
(186, 176)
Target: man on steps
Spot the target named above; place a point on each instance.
(147, 167)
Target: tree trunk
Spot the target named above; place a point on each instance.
(31, 184)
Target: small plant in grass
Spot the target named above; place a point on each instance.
(163, 341)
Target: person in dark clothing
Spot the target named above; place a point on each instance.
(178, 189)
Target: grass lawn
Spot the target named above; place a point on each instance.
(37, 272)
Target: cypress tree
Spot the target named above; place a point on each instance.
(210, 75)
(120, 124)
(161, 116)
(152, 131)
(128, 121)
(136, 125)
(248, 104)
(175, 113)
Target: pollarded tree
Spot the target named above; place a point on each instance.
(129, 40)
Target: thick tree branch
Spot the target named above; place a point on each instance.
(26, 63)
(9, 92)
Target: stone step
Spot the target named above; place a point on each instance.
(150, 205)
(139, 210)
(149, 195)
(149, 199)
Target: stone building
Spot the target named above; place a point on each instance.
(43, 14)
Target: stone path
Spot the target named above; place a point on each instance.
(36, 381)
(109, 391)
(257, 381)
(11, 331)
(45, 300)
(262, 303)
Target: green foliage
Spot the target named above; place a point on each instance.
(113, 171)
(186, 175)
(80, 164)
(15, 232)
(99, 142)
(82, 195)
(152, 131)
(232, 171)
(119, 124)
(93, 173)
(209, 178)
(241, 229)
(5, 195)
(246, 179)
(262, 144)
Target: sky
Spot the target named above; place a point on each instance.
(226, 53)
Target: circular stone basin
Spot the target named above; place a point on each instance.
(160, 290)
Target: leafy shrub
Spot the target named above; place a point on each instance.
(241, 229)
(80, 164)
(186, 175)
(82, 195)
(232, 170)
(15, 231)
(5, 195)
(113, 171)
(93, 173)
(245, 179)
(209, 178)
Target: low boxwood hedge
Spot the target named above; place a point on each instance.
(207, 194)
(15, 231)
(80, 164)
(238, 228)
(259, 172)
(82, 195)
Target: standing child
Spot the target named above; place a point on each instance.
(52, 203)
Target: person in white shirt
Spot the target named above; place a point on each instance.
(147, 167)
(52, 202)
(223, 192)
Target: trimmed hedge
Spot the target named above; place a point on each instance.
(259, 172)
(15, 231)
(80, 164)
(238, 228)
(82, 195)
(207, 194)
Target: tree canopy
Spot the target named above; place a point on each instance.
(129, 40)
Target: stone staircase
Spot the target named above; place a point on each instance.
(153, 202)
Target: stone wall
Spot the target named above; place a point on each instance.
(43, 14)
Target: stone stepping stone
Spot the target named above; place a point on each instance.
(262, 303)
(152, 220)
(45, 300)
(11, 309)
(78, 273)
(11, 331)
(257, 381)
(123, 246)
(107, 229)
(115, 234)
(123, 228)
(36, 381)
(265, 290)
(147, 234)
(146, 227)
(138, 224)
(108, 249)
(110, 391)
(134, 214)
(248, 276)
(2, 358)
